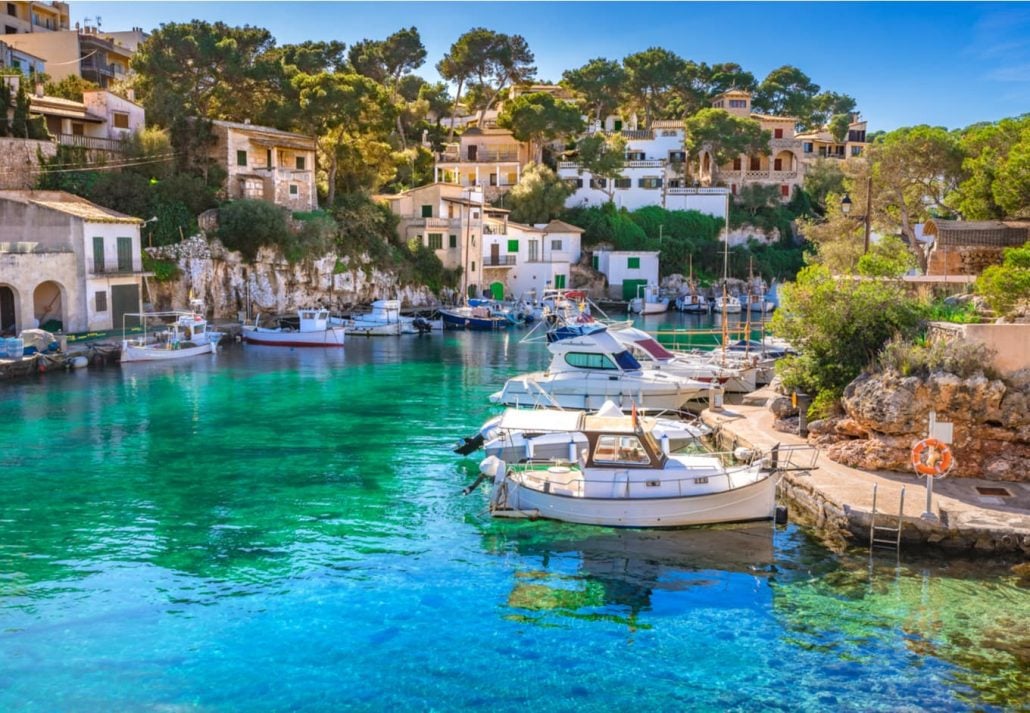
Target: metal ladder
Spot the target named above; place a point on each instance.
(886, 536)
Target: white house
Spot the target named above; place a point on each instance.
(66, 261)
(627, 270)
(520, 258)
(653, 174)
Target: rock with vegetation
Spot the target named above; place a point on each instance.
(887, 412)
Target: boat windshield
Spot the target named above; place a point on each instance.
(620, 450)
(626, 361)
(652, 347)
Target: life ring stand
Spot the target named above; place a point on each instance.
(939, 458)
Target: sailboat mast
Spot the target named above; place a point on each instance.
(725, 277)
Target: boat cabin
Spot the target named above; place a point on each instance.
(598, 351)
(314, 320)
(616, 443)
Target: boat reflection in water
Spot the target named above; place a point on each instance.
(618, 575)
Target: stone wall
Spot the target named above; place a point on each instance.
(962, 260)
(19, 162)
(229, 285)
(1009, 342)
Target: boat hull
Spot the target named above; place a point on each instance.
(455, 320)
(591, 394)
(369, 329)
(135, 353)
(332, 337)
(755, 501)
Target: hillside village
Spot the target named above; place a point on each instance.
(505, 185)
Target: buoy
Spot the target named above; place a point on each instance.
(937, 461)
(78, 362)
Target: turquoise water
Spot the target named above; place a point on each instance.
(274, 529)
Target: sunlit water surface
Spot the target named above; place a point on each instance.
(273, 529)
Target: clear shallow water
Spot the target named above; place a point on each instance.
(282, 529)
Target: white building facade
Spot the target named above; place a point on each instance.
(519, 259)
(627, 270)
(653, 174)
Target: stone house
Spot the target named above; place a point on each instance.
(450, 221)
(68, 262)
(966, 247)
(266, 164)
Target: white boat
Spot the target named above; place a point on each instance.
(727, 305)
(648, 301)
(624, 478)
(758, 303)
(589, 369)
(383, 321)
(314, 330)
(186, 336)
(692, 302)
(519, 434)
(652, 355)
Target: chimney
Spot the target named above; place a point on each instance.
(130, 94)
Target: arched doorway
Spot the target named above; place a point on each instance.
(48, 306)
(8, 310)
(497, 290)
(784, 161)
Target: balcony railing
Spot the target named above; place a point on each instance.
(648, 163)
(551, 256)
(92, 143)
(696, 191)
(111, 267)
(499, 260)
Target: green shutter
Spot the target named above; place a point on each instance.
(436, 241)
(559, 282)
(427, 211)
(596, 262)
(98, 255)
(633, 263)
(241, 158)
(513, 246)
(124, 254)
(454, 241)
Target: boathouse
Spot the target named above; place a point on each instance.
(966, 247)
(66, 263)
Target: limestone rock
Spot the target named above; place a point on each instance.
(781, 407)
(887, 413)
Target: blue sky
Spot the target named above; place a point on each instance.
(949, 64)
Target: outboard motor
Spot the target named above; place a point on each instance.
(422, 325)
(469, 444)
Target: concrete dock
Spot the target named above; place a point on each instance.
(973, 515)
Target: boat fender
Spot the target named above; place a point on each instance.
(743, 454)
(781, 515)
(492, 467)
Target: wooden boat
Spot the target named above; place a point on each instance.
(314, 330)
(475, 318)
(649, 302)
(623, 478)
(187, 336)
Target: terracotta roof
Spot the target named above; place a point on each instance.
(770, 117)
(71, 205)
(562, 226)
(263, 130)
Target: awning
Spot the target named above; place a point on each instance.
(540, 420)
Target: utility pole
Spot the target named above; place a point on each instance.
(868, 210)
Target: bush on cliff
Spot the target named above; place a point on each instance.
(919, 357)
(248, 225)
(840, 326)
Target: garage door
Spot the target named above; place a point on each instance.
(124, 300)
(629, 288)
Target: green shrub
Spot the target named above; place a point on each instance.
(1006, 286)
(164, 270)
(888, 257)
(940, 311)
(248, 225)
(909, 357)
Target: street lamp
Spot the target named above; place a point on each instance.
(150, 236)
(845, 209)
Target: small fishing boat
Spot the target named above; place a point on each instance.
(727, 304)
(589, 369)
(383, 321)
(511, 313)
(758, 303)
(519, 434)
(475, 318)
(314, 330)
(186, 336)
(648, 301)
(622, 477)
(692, 301)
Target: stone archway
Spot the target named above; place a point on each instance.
(8, 310)
(48, 305)
(785, 161)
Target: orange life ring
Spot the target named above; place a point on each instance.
(939, 457)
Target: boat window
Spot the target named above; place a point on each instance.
(307, 315)
(652, 347)
(620, 449)
(627, 361)
(583, 360)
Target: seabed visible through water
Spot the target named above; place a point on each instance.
(273, 529)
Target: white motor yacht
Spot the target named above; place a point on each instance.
(589, 369)
(652, 355)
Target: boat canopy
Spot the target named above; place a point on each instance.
(646, 342)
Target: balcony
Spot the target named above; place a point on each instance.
(648, 163)
(91, 143)
(437, 222)
(696, 191)
(499, 260)
(551, 256)
(111, 268)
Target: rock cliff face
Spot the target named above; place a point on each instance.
(886, 414)
(227, 284)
